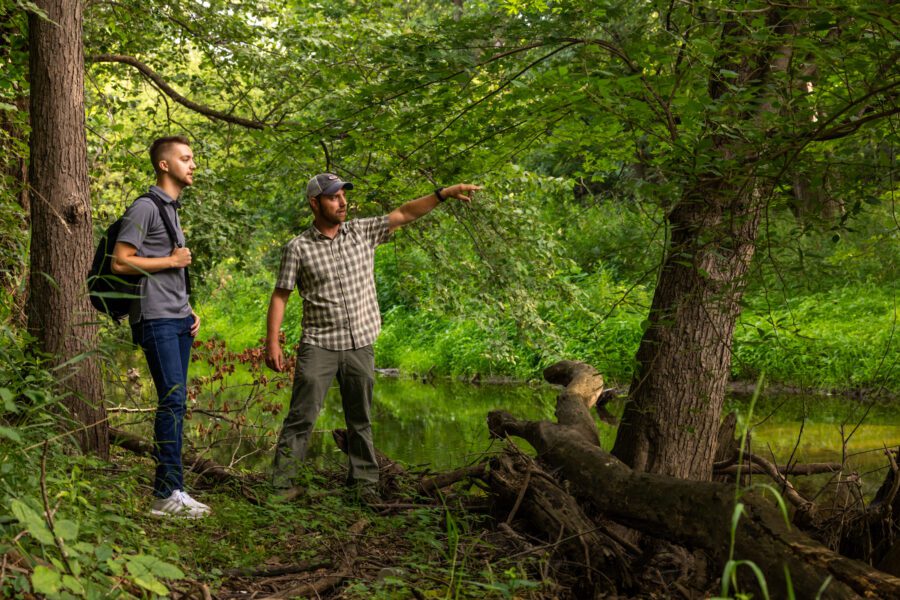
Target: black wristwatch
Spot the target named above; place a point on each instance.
(437, 193)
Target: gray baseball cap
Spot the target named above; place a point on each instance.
(326, 183)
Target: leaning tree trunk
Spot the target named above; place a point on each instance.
(671, 421)
(59, 313)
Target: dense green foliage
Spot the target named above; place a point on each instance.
(559, 256)
(582, 152)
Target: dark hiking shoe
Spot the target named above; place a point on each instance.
(364, 495)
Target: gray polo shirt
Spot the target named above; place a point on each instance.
(163, 294)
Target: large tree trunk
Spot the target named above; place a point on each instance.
(672, 417)
(671, 421)
(59, 313)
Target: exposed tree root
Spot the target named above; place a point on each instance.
(696, 514)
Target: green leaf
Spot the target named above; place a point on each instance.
(736, 515)
(9, 402)
(149, 582)
(66, 529)
(35, 524)
(73, 584)
(103, 552)
(10, 434)
(116, 566)
(9, 107)
(45, 580)
(790, 584)
(150, 567)
(782, 505)
(824, 586)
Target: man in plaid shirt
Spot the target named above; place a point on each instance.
(332, 266)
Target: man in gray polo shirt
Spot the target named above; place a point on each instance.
(332, 266)
(162, 321)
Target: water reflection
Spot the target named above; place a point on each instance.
(443, 425)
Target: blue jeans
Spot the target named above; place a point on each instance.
(167, 346)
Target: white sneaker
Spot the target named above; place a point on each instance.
(176, 506)
(188, 501)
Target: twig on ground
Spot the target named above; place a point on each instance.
(521, 496)
(322, 585)
(48, 514)
(887, 507)
(790, 492)
(301, 567)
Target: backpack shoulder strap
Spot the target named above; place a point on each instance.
(170, 229)
(164, 215)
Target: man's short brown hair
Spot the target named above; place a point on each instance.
(158, 148)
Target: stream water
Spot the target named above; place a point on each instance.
(441, 425)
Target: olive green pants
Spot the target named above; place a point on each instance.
(316, 369)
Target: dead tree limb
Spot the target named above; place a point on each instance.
(430, 485)
(583, 386)
(203, 467)
(161, 83)
(694, 513)
(517, 482)
(872, 535)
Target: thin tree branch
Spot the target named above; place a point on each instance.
(169, 91)
(327, 156)
(490, 94)
(48, 513)
(851, 127)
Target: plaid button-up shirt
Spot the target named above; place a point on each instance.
(336, 279)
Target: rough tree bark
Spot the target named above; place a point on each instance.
(671, 421)
(672, 417)
(697, 514)
(58, 310)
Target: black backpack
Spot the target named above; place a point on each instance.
(111, 293)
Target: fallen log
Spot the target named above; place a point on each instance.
(203, 467)
(528, 493)
(697, 514)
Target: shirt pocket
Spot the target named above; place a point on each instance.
(358, 257)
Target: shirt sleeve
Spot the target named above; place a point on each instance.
(375, 230)
(138, 220)
(290, 266)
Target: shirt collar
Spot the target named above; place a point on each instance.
(162, 194)
(314, 231)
